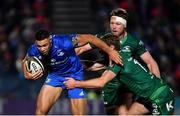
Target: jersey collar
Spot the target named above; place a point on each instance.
(122, 41)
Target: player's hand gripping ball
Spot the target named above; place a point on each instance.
(33, 64)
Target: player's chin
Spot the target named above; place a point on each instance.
(45, 53)
(115, 33)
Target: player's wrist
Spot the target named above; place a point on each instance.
(28, 77)
(77, 84)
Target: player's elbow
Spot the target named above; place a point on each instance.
(101, 83)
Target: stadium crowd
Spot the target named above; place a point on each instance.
(18, 21)
(155, 22)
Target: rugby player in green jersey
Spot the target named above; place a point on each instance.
(116, 100)
(154, 95)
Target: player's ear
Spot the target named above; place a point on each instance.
(50, 40)
(112, 47)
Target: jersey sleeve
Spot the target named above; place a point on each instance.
(114, 68)
(74, 40)
(32, 51)
(68, 42)
(140, 48)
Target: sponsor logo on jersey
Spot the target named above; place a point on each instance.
(169, 106)
(60, 53)
(81, 94)
(60, 62)
(126, 49)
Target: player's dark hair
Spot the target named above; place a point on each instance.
(41, 34)
(110, 39)
(120, 13)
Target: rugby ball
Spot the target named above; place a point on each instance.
(33, 64)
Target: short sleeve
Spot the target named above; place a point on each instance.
(32, 51)
(74, 40)
(114, 68)
(140, 48)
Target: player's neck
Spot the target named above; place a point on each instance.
(122, 36)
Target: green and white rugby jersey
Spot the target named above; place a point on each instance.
(113, 90)
(129, 44)
(139, 80)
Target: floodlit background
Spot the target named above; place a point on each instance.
(155, 22)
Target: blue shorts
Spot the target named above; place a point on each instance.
(57, 81)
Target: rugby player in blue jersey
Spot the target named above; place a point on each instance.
(57, 53)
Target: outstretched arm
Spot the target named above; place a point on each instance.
(82, 49)
(88, 38)
(92, 83)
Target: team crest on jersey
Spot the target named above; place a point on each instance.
(126, 49)
(75, 41)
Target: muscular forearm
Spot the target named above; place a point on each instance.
(151, 63)
(88, 38)
(82, 49)
(96, 82)
(100, 44)
(93, 83)
(107, 76)
(113, 55)
(153, 67)
(24, 69)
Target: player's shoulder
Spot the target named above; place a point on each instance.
(132, 37)
(64, 40)
(57, 39)
(134, 40)
(33, 50)
(62, 37)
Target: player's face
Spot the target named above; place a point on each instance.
(44, 45)
(117, 28)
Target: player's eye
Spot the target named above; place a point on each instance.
(38, 46)
(111, 22)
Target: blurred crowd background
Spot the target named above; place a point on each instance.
(155, 22)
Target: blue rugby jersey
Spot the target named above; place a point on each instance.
(62, 59)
